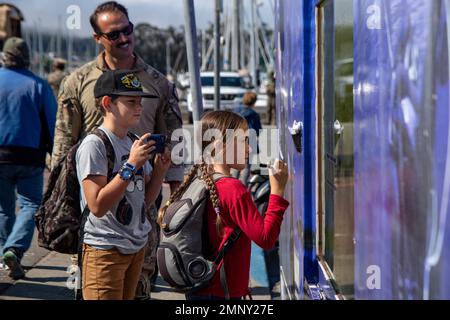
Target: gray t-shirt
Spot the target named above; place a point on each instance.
(125, 226)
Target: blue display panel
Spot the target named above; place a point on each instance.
(401, 146)
(401, 137)
(290, 108)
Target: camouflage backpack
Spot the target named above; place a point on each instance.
(59, 218)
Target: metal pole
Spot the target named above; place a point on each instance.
(235, 37)
(41, 48)
(35, 49)
(207, 57)
(58, 38)
(192, 54)
(168, 69)
(203, 47)
(254, 58)
(69, 50)
(242, 46)
(218, 10)
(266, 45)
(226, 51)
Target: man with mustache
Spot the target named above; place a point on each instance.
(78, 116)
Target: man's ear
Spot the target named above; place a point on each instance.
(106, 103)
(96, 37)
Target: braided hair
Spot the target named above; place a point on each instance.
(214, 197)
(221, 120)
(177, 194)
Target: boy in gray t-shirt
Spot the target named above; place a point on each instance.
(116, 230)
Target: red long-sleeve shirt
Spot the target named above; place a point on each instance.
(238, 210)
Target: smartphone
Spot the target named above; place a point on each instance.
(160, 142)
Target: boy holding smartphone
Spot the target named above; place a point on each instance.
(117, 228)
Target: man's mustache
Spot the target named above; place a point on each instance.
(123, 43)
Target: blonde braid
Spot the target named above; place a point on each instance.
(211, 186)
(177, 195)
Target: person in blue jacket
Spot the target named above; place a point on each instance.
(247, 111)
(27, 124)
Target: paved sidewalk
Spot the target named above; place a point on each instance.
(47, 280)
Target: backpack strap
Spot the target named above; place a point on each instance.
(221, 255)
(132, 136)
(110, 154)
(225, 248)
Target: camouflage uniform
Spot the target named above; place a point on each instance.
(149, 266)
(78, 116)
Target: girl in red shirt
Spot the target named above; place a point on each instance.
(231, 204)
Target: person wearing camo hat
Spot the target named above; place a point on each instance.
(55, 78)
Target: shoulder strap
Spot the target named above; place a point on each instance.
(110, 154)
(132, 136)
(227, 245)
(221, 255)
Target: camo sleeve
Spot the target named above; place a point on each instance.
(172, 121)
(68, 120)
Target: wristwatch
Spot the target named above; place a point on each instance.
(127, 172)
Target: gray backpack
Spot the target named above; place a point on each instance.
(181, 254)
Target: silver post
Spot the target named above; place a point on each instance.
(227, 44)
(58, 38)
(242, 45)
(218, 10)
(266, 45)
(35, 48)
(236, 37)
(192, 54)
(207, 57)
(168, 68)
(69, 50)
(41, 48)
(203, 47)
(254, 56)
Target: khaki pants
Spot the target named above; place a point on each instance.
(110, 275)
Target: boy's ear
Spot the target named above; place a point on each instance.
(106, 103)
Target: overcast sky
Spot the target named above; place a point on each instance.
(161, 13)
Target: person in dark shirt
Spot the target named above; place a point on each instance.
(247, 111)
